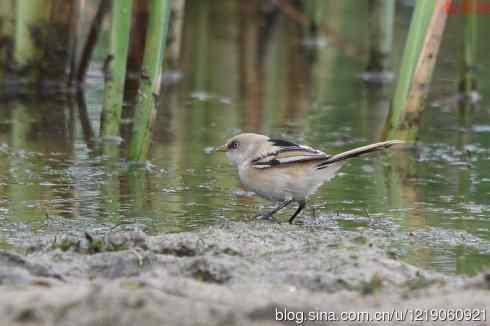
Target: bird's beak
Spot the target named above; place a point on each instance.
(222, 148)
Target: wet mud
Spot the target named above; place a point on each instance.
(230, 274)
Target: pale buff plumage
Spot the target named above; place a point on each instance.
(284, 172)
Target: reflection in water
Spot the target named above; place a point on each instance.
(251, 65)
(248, 68)
(381, 16)
(23, 200)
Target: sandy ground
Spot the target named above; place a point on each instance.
(232, 274)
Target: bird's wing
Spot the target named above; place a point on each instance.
(283, 152)
(280, 152)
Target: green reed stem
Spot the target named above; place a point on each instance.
(418, 61)
(316, 10)
(29, 15)
(418, 28)
(150, 79)
(36, 38)
(7, 30)
(115, 73)
(467, 78)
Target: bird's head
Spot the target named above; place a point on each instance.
(243, 147)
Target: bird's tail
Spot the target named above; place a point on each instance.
(358, 151)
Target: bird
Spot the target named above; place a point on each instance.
(284, 172)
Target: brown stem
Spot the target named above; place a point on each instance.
(92, 40)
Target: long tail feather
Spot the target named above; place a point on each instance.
(358, 151)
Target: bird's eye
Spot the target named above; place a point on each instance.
(233, 145)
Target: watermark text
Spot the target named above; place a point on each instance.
(411, 315)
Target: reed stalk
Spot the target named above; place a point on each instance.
(77, 33)
(201, 75)
(316, 10)
(139, 28)
(30, 18)
(381, 18)
(419, 57)
(468, 84)
(149, 89)
(250, 64)
(7, 30)
(176, 28)
(90, 43)
(115, 74)
(59, 44)
(37, 40)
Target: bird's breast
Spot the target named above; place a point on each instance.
(276, 184)
(265, 183)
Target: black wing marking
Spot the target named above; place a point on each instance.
(272, 162)
(282, 143)
(288, 155)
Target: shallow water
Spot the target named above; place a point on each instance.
(433, 197)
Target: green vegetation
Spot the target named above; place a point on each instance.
(37, 43)
(418, 62)
(150, 79)
(370, 287)
(467, 79)
(115, 74)
(7, 29)
(29, 15)
(316, 11)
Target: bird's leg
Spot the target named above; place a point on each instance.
(269, 215)
(302, 205)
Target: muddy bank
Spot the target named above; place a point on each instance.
(231, 274)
